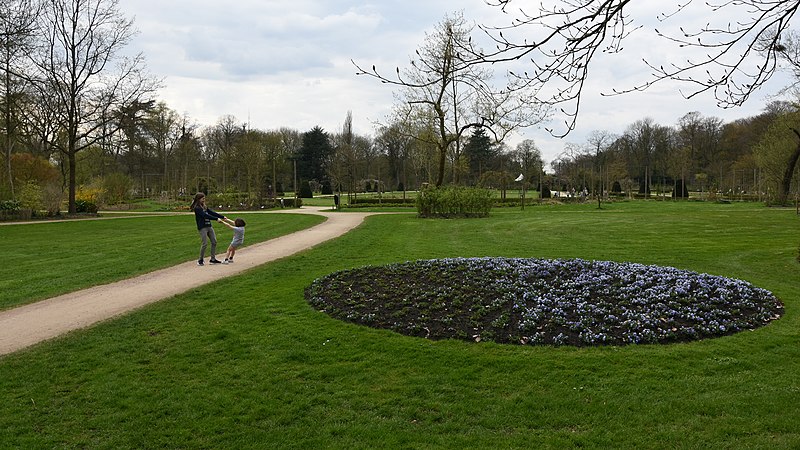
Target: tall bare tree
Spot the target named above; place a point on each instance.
(164, 129)
(17, 29)
(345, 164)
(598, 143)
(446, 86)
(396, 145)
(739, 46)
(778, 154)
(274, 155)
(188, 151)
(291, 142)
(222, 139)
(82, 74)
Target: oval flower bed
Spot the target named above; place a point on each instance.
(544, 302)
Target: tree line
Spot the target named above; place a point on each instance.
(80, 119)
(449, 88)
(750, 158)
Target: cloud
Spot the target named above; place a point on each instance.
(276, 63)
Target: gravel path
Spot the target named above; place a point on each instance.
(27, 325)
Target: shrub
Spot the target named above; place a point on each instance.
(680, 190)
(30, 196)
(89, 194)
(9, 210)
(52, 197)
(222, 200)
(515, 201)
(305, 190)
(382, 204)
(26, 167)
(9, 205)
(408, 201)
(246, 201)
(85, 206)
(117, 187)
(205, 185)
(454, 201)
(290, 202)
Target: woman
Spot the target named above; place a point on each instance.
(203, 216)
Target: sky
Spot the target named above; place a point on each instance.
(277, 63)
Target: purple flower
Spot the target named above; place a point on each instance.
(538, 301)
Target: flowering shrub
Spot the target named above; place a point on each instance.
(544, 302)
(10, 205)
(89, 194)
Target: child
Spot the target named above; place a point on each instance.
(238, 237)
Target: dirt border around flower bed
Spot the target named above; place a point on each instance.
(30, 324)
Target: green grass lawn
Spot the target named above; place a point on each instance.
(51, 258)
(246, 363)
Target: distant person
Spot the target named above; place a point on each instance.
(238, 237)
(203, 216)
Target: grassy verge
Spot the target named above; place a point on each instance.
(52, 258)
(246, 363)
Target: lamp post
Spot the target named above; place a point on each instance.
(293, 159)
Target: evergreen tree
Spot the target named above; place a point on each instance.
(480, 151)
(315, 155)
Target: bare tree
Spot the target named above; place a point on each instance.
(598, 143)
(444, 84)
(76, 74)
(291, 142)
(561, 39)
(778, 154)
(396, 146)
(187, 150)
(275, 153)
(343, 169)
(642, 141)
(529, 157)
(255, 151)
(17, 29)
(222, 137)
(164, 127)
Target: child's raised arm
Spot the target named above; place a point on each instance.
(228, 222)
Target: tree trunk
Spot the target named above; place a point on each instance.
(786, 183)
(72, 167)
(274, 179)
(9, 125)
(442, 161)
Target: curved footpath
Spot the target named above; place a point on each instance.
(30, 324)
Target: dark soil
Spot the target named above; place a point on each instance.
(543, 302)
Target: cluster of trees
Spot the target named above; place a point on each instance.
(77, 113)
(449, 86)
(66, 87)
(753, 158)
(552, 48)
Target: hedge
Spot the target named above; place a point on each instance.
(454, 202)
